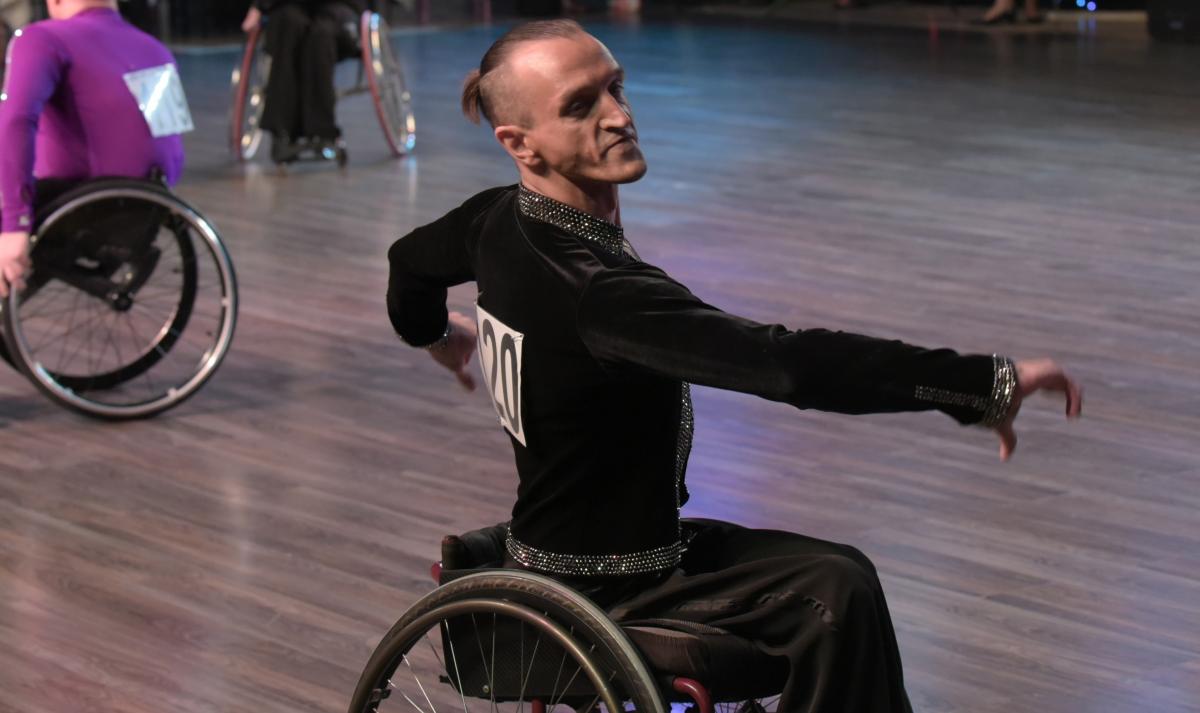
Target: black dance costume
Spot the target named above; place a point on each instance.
(588, 352)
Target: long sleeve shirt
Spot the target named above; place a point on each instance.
(67, 113)
(587, 352)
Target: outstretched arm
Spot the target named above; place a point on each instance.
(637, 317)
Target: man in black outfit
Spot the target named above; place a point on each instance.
(587, 354)
(305, 39)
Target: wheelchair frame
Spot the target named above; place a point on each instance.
(380, 74)
(548, 606)
(109, 276)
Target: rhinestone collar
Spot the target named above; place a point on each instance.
(607, 235)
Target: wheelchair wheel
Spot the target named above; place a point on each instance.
(385, 79)
(505, 637)
(131, 303)
(249, 83)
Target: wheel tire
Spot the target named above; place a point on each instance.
(62, 389)
(518, 589)
(385, 80)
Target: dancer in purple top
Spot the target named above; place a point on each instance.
(86, 95)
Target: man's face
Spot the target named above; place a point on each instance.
(569, 94)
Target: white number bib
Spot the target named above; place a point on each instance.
(500, 357)
(159, 95)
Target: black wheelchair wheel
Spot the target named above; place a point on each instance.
(249, 86)
(131, 303)
(385, 79)
(510, 638)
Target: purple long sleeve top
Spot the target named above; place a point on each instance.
(66, 111)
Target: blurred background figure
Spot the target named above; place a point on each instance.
(305, 39)
(15, 13)
(67, 115)
(1005, 11)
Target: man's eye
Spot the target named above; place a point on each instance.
(577, 107)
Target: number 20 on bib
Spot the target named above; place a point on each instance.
(500, 357)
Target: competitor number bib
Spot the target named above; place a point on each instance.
(159, 95)
(500, 357)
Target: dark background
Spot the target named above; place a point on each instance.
(213, 19)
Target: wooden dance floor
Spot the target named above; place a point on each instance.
(1030, 196)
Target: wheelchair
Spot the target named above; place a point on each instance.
(508, 636)
(130, 305)
(380, 74)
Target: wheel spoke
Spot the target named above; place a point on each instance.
(453, 657)
(532, 657)
(42, 305)
(418, 681)
(578, 670)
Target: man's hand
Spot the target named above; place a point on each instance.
(253, 19)
(1035, 375)
(456, 353)
(14, 260)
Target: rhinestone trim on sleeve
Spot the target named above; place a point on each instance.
(1004, 388)
(994, 407)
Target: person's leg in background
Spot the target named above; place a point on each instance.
(332, 36)
(287, 30)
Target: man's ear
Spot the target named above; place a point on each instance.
(516, 142)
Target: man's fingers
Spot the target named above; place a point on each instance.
(1048, 376)
(1008, 440)
(1074, 399)
(9, 277)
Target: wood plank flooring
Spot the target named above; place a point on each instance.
(1031, 196)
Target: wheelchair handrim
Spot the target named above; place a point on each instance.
(22, 352)
(245, 141)
(382, 70)
(549, 599)
(428, 621)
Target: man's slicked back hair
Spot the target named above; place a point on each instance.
(480, 94)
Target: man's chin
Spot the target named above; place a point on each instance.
(631, 169)
(628, 170)
(633, 176)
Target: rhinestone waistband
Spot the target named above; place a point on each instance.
(654, 560)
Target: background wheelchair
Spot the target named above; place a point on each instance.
(508, 637)
(380, 74)
(131, 303)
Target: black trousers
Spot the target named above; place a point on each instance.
(818, 604)
(305, 42)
